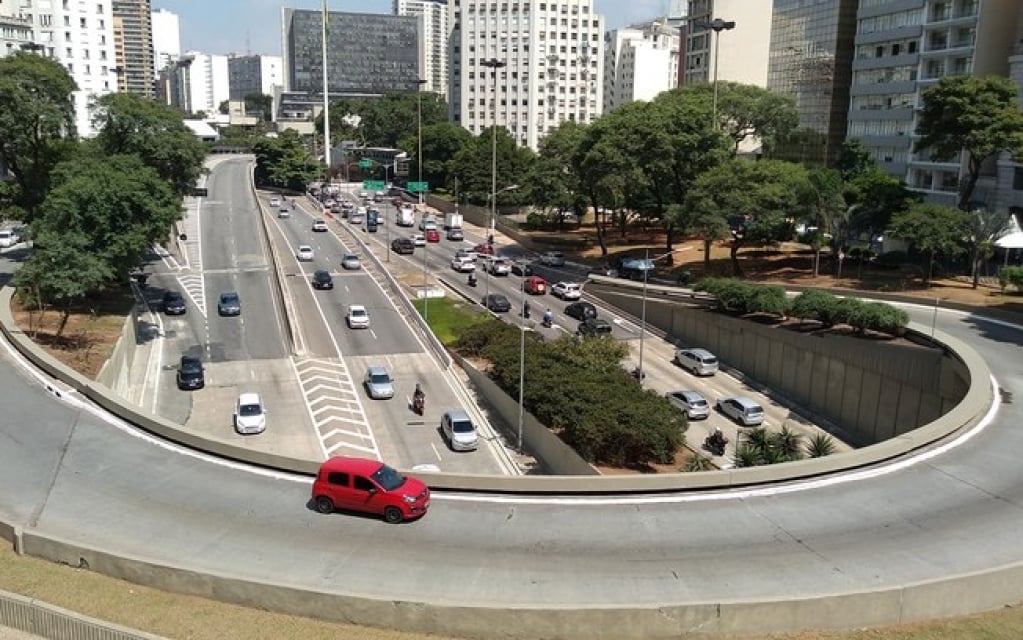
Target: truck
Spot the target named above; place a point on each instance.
(406, 216)
(372, 220)
(453, 221)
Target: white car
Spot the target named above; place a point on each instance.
(319, 225)
(305, 253)
(426, 223)
(357, 317)
(275, 202)
(249, 414)
(463, 265)
(743, 410)
(567, 290)
(9, 238)
(553, 259)
(691, 403)
(419, 240)
(467, 253)
(459, 430)
(498, 266)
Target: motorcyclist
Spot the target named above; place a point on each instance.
(525, 309)
(418, 396)
(472, 278)
(548, 317)
(717, 438)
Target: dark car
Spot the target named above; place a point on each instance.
(403, 245)
(521, 268)
(174, 303)
(454, 233)
(594, 327)
(581, 310)
(322, 280)
(230, 304)
(190, 373)
(497, 302)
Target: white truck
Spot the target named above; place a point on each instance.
(453, 221)
(406, 216)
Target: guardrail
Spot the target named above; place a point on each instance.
(45, 620)
(275, 271)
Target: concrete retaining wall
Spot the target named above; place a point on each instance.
(45, 620)
(114, 373)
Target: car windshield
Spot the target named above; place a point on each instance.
(388, 478)
(461, 426)
(351, 258)
(709, 360)
(498, 298)
(358, 312)
(229, 298)
(249, 410)
(190, 365)
(700, 402)
(379, 378)
(754, 411)
(172, 297)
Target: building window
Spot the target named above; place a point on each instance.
(1017, 179)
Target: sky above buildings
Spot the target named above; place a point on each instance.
(254, 26)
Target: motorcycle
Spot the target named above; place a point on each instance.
(419, 403)
(472, 280)
(548, 322)
(715, 445)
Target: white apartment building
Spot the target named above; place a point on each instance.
(197, 82)
(166, 39)
(433, 40)
(550, 65)
(15, 30)
(80, 35)
(640, 62)
(739, 54)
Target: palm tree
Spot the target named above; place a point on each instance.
(820, 445)
(825, 202)
(747, 455)
(759, 439)
(788, 443)
(697, 462)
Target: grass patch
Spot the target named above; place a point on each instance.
(448, 317)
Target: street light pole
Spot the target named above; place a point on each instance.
(326, 99)
(642, 317)
(494, 64)
(718, 25)
(522, 361)
(419, 135)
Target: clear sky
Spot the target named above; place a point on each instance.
(254, 26)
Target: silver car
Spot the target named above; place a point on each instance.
(743, 410)
(692, 403)
(459, 430)
(379, 384)
(229, 304)
(699, 361)
(350, 262)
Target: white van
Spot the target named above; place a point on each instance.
(699, 361)
(8, 238)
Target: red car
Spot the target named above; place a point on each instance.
(370, 486)
(484, 249)
(432, 235)
(535, 285)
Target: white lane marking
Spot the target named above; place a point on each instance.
(436, 452)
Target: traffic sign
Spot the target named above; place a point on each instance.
(373, 185)
(418, 187)
(365, 164)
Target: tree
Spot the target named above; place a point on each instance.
(877, 198)
(975, 115)
(854, 160)
(552, 182)
(384, 121)
(746, 111)
(37, 127)
(284, 162)
(471, 166)
(824, 200)
(441, 143)
(985, 227)
(155, 132)
(259, 105)
(932, 228)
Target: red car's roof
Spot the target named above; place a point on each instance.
(364, 466)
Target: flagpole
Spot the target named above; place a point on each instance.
(326, 99)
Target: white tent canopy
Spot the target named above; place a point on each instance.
(1012, 237)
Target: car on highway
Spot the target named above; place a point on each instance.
(553, 259)
(229, 304)
(496, 302)
(692, 403)
(581, 310)
(534, 285)
(249, 414)
(427, 223)
(368, 486)
(284, 211)
(357, 317)
(174, 303)
(319, 225)
(363, 194)
(304, 253)
(190, 373)
(699, 362)
(454, 233)
(498, 266)
(432, 235)
(466, 253)
(484, 249)
(403, 246)
(322, 280)
(350, 262)
(741, 409)
(567, 290)
(275, 202)
(378, 382)
(9, 238)
(419, 239)
(594, 328)
(459, 430)
(521, 268)
(347, 205)
(356, 217)
(463, 265)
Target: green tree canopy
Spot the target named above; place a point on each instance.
(933, 229)
(384, 121)
(471, 166)
(746, 111)
(284, 162)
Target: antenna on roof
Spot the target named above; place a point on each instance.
(248, 49)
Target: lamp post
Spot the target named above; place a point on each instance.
(718, 25)
(419, 134)
(522, 361)
(493, 196)
(494, 64)
(648, 264)
(326, 99)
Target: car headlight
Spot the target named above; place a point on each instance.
(409, 499)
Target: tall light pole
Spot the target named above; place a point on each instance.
(522, 360)
(648, 264)
(493, 196)
(718, 25)
(419, 134)
(326, 98)
(494, 64)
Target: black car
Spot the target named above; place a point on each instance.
(497, 302)
(190, 373)
(173, 303)
(230, 304)
(322, 280)
(581, 310)
(454, 233)
(521, 268)
(594, 327)
(403, 245)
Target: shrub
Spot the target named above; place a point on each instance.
(891, 259)
(734, 296)
(1011, 275)
(768, 299)
(815, 305)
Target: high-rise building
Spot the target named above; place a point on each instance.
(736, 54)
(166, 38)
(254, 74)
(80, 36)
(640, 62)
(905, 46)
(433, 40)
(1009, 191)
(15, 30)
(133, 47)
(811, 61)
(366, 53)
(197, 82)
(550, 65)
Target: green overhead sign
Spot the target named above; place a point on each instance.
(365, 164)
(418, 187)
(373, 185)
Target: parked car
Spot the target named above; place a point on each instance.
(229, 304)
(368, 486)
(581, 310)
(455, 233)
(432, 235)
(496, 302)
(419, 239)
(463, 265)
(484, 249)
(357, 317)
(190, 373)
(319, 225)
(691, 403)
(567, 290)
(498, 266)
(459, 430)
(174, 303)
(304, 253)
(379, 384)
(742, 409)
(521, 268)
(594, 328)
(350, 262)
(534, 285)
(699, 362)
(249, 414)
(403, 246)
(322, 280)
(553, 259)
